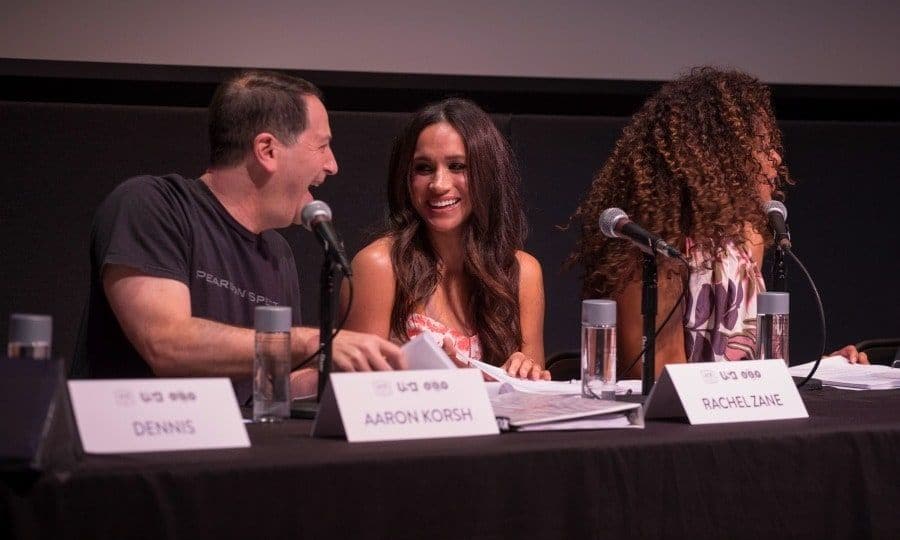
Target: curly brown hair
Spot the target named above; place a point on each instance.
(683, 167)
(493, 233)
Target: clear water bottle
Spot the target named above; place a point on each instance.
(598, 349)
(772, 310)
(30, 336)
(272, 364)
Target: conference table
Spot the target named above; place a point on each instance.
(834, 475)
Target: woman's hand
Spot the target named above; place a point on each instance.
(517, 365)
(852, 355)
(523, 367)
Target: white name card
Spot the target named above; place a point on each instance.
(423, 352)
(400, 405)
(722, 392)
(118, 416)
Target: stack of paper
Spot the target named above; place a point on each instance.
(837, 371)
(522, 411)
(526, 405)
(525, 385)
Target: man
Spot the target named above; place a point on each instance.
(178, 265)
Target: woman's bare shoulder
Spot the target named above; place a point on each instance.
(375, 258)
(528, 264)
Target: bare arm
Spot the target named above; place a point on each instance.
(373, 290)
(529, 362)
(155, 315)
(531, 307)
(363, 344)
(629, 327)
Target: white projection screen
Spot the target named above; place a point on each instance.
(799, 42)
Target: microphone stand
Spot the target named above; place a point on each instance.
(326, 322)
(309, 410)
(648, 310)
(779, 274)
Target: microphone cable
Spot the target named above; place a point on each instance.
(339, 327)
(318, 351)
(815, 291)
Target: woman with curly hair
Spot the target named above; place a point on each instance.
(450, 261)
(694, 165)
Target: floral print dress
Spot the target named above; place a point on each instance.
(720, 314)
(466, 346)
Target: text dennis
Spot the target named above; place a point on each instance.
(163, 427)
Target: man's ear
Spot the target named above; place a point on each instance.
(265, 151)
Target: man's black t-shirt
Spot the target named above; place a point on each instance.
(175, 228)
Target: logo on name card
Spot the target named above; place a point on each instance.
(152, 397)
(124, 398)
(709, 376)
(382, 388)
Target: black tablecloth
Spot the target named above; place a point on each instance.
(834, 475)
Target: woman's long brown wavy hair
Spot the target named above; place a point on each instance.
(493, 232)
(683, 167)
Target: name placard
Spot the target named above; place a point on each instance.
(402, 405)
(722, 392)
(116, 416)
(423, 352)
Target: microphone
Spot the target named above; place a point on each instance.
(316, 217)
(614, 223)
(777, 214)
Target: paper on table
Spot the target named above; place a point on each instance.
(508, 382)
(524, 411)
(628, 386)
(606, 421)
(423, 353)
(526, 385)
(837, 371)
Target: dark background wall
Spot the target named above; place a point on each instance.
(71, 132)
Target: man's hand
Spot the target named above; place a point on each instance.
(355, 351)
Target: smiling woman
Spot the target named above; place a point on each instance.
(438, 185)
(450, 261)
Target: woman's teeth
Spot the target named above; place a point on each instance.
(443, 204)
